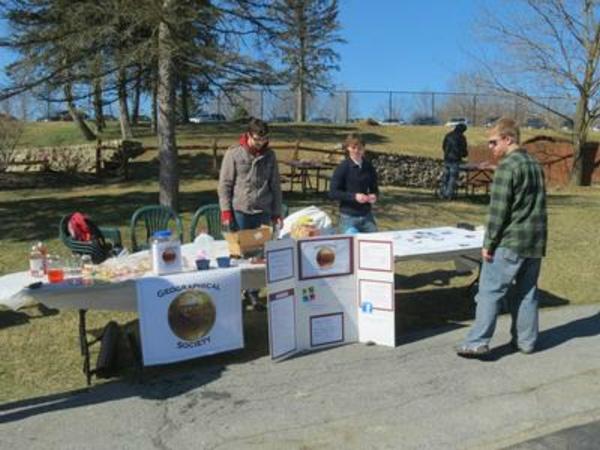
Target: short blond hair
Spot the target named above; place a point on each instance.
(353, 139)
(506, 126)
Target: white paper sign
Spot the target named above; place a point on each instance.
(189, 315)
(326, 329)
(375, 255)
(376, 294)
(280, 264)
(282, 324)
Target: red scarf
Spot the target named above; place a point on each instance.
(253, 150)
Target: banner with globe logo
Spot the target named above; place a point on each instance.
(189, 315)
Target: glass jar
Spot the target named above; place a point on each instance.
(55, 270)
(166, 253)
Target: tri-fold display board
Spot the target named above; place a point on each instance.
(329, 290)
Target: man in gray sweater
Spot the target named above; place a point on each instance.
(249, 182)
(250, 186)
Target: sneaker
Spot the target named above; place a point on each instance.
(516, 348)
(472, 352)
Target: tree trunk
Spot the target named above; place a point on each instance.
(126, 132)
(185, 99)
(137, 93)
(154, 117)
(98, 103)
(580, 127)
(167, 146)
(83, 127)
(300, 103)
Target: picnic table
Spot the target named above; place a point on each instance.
(301, 171)
(480, 174)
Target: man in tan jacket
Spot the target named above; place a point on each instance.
(250, 186)
(249, 182)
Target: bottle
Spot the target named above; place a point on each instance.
(44, 251)
(36, 262)
(204, 243)
(87, 268)
(166, 253)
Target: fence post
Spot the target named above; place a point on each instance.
(98, 156)
(475, 110)
(296, 154)
(346, 106)
(433, 104)
(389, 106)
(215, 158)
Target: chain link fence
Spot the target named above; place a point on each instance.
(388, 106)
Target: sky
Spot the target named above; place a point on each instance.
(399, 45)
(404, 45)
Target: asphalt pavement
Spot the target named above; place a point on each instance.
(418, 395)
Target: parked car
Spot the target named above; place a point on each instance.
(596, 127)
(456, 121)
(567, 125)
(320, 120)
(282, 119)
(392, 121)
(425, 120)
(536, 123)
(206, 117)
(490, 121)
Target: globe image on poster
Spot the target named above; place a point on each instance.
(192, 315)
(325, 257)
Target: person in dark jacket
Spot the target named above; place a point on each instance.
(354, 185)
(455, 149)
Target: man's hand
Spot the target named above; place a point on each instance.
(361, 198)
(487, 255)
(372, 198)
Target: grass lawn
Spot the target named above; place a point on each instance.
(40, 353)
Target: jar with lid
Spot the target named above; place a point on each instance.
(36, 262)
(166, 253)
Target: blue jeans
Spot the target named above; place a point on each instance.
(243, 221)
(495, 279)
(449, 179)
(364, 224)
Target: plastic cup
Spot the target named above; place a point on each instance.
(224, 261)
(55, 272)
(202, 264)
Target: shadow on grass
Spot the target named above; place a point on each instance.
(10, 318)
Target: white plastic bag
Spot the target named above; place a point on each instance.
(318, 218)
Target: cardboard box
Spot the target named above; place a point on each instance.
(248, 242)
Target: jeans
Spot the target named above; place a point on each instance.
(449, 179)
(364, 224)
(507, 271)
(243, 221)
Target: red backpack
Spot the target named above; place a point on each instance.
(81, 228)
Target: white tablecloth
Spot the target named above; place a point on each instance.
(103, 295)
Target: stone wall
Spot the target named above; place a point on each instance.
(406, 170)
(74, 158)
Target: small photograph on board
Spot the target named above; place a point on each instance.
(328, 257)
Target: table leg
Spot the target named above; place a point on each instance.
(85, 347)
(318, 171)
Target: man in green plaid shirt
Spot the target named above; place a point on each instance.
(514, 244)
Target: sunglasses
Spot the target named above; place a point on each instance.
(264, 138)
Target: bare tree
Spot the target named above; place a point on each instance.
(548, 48)
(10, 133)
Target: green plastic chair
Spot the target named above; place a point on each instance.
(155, 218)
(211, 216)
(98, 253)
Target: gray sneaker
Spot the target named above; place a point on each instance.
(472, 352)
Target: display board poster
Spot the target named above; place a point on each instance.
(318, 303)
(188, 315)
